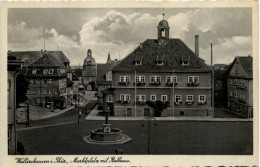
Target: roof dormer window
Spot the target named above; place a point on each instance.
(185, 63)
(160, 63)
(34, 71)
(160, 60)
(138, 63)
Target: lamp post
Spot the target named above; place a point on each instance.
(149, 120)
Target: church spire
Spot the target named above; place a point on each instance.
(108, 58)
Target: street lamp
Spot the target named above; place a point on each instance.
(149, 120)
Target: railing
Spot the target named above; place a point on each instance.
(171, 83)
(155, 83)
(123, 101)
(123, 83)
(139, 83)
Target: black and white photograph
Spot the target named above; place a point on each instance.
(130, 81)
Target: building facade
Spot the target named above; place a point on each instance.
(240, 87)
(14, 65)
(161, 77)
(89, 69)
(50, 82)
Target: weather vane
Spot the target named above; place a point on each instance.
(163, 14)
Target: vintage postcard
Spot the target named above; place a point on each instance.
(117, 83)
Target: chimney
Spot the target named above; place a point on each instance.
(197, 45)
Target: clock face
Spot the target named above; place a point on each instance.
(162, 41)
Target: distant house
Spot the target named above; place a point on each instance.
(50, 81)
(240, 87)
(14, 65)
(220, 84)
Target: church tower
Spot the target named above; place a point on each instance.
(89, 69)
(163, 32)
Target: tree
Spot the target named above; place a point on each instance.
(22, 85)
(158, 106)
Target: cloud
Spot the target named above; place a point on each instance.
(227, 49)
(120, 33)
(23, 38)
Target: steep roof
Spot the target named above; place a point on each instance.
(32, 56)
(172, 54)
(247, 65)
(102, 69)
(47, 60)
(60, 56)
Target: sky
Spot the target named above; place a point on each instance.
(121, 30)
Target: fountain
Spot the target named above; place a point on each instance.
(106, 135)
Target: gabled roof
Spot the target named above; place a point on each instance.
(47, 60)
(102, 69)
(247, 65)
(32, 56)
(60, 56)
(173, 52)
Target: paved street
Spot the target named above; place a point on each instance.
(167, 137)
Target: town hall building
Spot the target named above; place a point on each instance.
(161, 77)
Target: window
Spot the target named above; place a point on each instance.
(185, 63)
(34, 71)
(153, 97)
(109, 98)
(125, 97)
(137, 62)
(178, 98)
(231, 81)
(237, 72)
(124, 78)
(34, 92)
(62, 71)
(164, 98)
(45, 81)
(140, 79)
(45, 71)
(28, 92)
(140, 98)
(189, 98)
(240, 95)
(50, 92)
(244, 96)
(170, 79)
(160, 63)
(51, 71)
(235, 82)
(202, 98)
(155, 79)
(231, 94)
(193, 79)
(235, 93)
(50, 81)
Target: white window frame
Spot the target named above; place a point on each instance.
(235, 94)
(109, 98)
(231, 93)
(235, 82)
(140, 79)
(156, 77)
(123, 78)
(185, 64)
(163, 97)
(202, 101)
(171, 79)
(50, 81)
(179, 97)
(193, 79)
(160, 63)
(187, 98)
(45, 71)
(151, 97)
(138, 63)
(125, 97)
(34, 71)
(231, 81)
(51, 71)
(140, 98)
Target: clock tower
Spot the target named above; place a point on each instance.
(163, 32)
